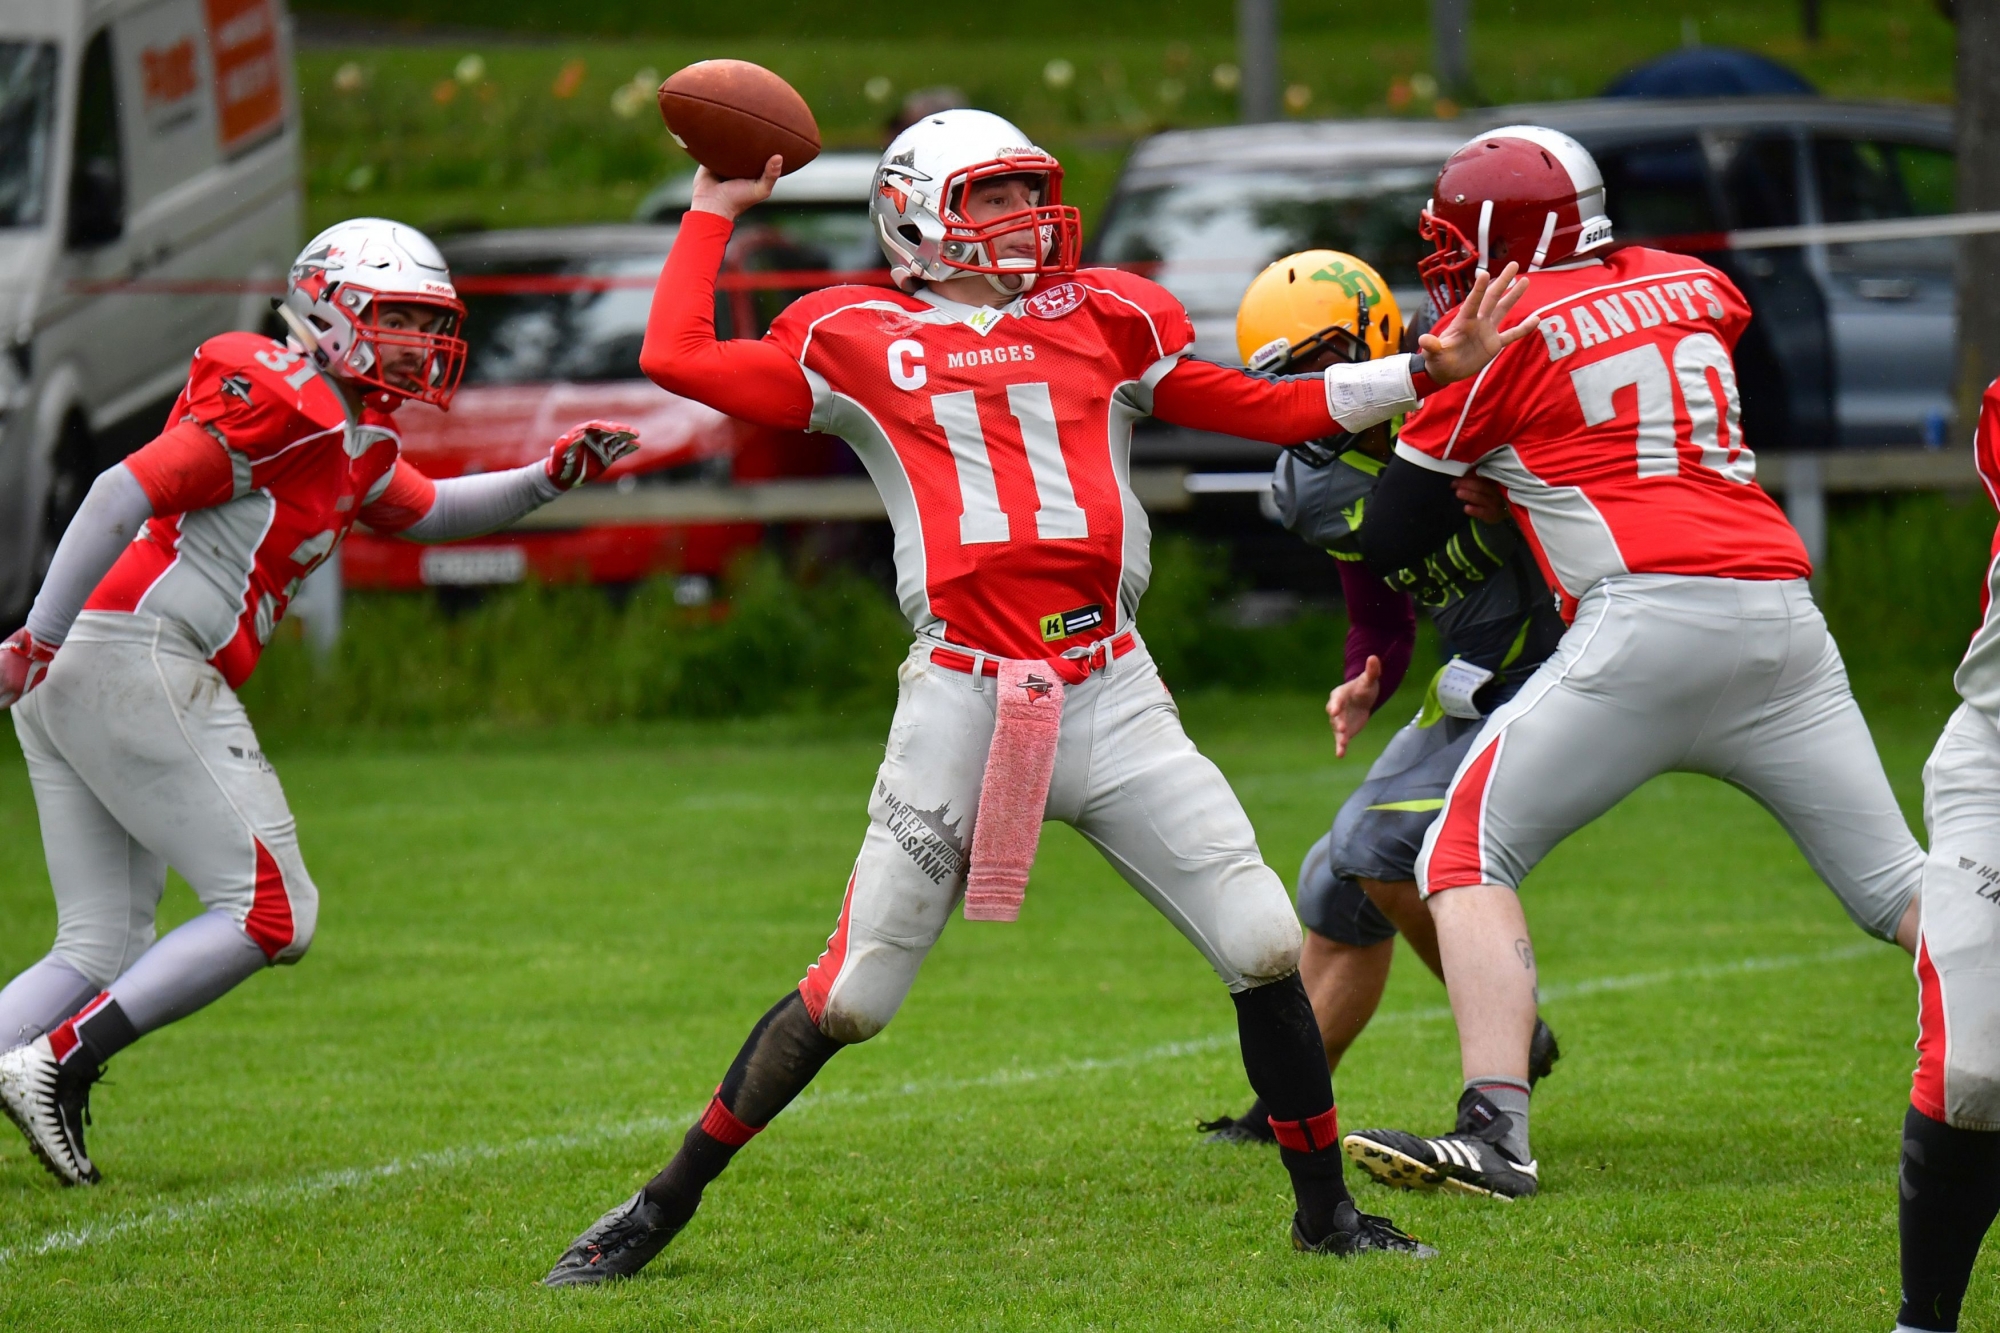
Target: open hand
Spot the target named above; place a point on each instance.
(1470, 337)
(1350, 705)
(1482, 497)
(585, 451)
(732, 197)
(23, 663)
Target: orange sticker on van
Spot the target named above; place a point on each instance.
(249, 87)
(170, 73)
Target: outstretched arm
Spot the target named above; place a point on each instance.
(409, 504)
(750, 380)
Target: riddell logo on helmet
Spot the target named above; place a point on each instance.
(1056, 302)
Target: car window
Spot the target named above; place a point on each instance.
(1210, 236)
(27, 120)
(1870, 180)
(797, 238)
(1760, 180)
(1657, 189)
(97, 172)
(1861, 180)
(530, 337)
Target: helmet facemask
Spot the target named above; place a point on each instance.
(970, 247)
(1449, 271)
(350, 341)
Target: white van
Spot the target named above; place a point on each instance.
(149, 183)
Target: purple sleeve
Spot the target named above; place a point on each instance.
(1380, 622)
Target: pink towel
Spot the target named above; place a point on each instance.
(1015, 794)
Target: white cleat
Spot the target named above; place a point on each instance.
(48, 1109)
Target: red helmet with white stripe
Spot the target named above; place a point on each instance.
(1524, 194)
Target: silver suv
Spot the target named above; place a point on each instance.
(1850, 344)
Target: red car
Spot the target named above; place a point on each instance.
(555, 319)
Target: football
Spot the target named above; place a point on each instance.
(732, 116)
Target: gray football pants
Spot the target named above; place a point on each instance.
(142, 758)
(1126, 777)
(1958, 951)
(1659, 673)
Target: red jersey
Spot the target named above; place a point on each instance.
(999, 439)
(224, 555)
(1978, 676)
(1615, 433)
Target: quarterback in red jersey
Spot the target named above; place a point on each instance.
(161, 596)
(992, 399)
(1694, 644)
(1950, 1179)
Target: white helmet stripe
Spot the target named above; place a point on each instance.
(1485, 224)
(1542, 246)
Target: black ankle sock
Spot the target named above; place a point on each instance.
(774, 1064)
(1950, 1191)
(98, 1031)
(1286, 1062)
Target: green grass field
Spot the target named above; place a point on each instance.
(538, 951)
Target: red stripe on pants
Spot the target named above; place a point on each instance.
(270, 919)
(1456, 862)
(1927, 1085)
(819, 978)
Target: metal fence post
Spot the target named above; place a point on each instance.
(1257, 54)
(1805, 504)
(1451, 21)
(318, 607)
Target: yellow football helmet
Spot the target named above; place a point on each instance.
(1313, 304)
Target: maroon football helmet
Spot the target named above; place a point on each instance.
(1522, 194)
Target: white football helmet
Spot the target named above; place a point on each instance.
(921, 183)
(337, 287)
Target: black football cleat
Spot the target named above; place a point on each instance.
(1542, 1053)
(1469, 1160)
(618, 1245)
(1253, 1126)
(50, 1104)
(1356, 1232)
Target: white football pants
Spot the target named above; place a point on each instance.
(1661, 673)
(142, 758)
(1126, 777)
(1958, 950)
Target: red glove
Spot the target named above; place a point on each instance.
(587, 450)
(23, 663)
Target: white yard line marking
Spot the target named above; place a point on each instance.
(303, 1190)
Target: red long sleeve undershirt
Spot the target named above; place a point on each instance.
(759, 382)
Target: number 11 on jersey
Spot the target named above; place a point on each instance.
(1058, 516)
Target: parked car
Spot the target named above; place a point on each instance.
(149, 165)
(1851, 345)
(555, 318)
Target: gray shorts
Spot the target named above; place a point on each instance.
(1660, 673)
(1379, 830)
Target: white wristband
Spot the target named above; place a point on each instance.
(1369, 393)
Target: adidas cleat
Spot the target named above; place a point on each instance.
(1468, 1160)
(1361, 1233)
(50, 1104)
(618, 1245)
(1244, 1128)
(1542, 1053)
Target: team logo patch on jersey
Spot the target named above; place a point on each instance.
(237, 386)
(1062, 624)
(984, 320)
(1056, 302)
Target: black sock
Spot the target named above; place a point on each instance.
(1950, 1191)
(97, 1032)
(1286, 1062)
(777, 1060)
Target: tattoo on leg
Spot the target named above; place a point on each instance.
(1526, 952)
